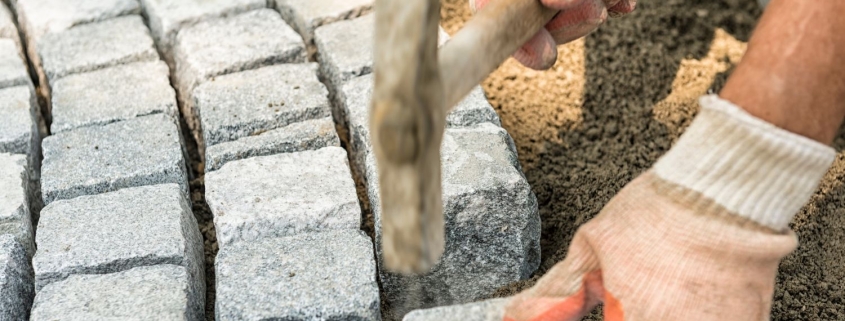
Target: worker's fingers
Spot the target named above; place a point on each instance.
(620, 8)
(539, 53)
(577, 21)
(566, 308)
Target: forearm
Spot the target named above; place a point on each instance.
(792, 74)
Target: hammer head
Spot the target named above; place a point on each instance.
(407, 121)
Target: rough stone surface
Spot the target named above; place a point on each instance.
(16, 288)
(167, 17)
(93, 160)
(221, 46)
(117, 231)
(39, 17)
(144, 293)
(491, 218)
(15, 195)
(356, 94)
(12, 67)
(297, 137)
(306, 15)
(314, 276)
(113, 94)
(490, 310)
(251, 102)
(94, 46)
(345, 49)
(8, 29)
(281, 195)
(18, 132)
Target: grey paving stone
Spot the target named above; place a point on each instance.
(94, 46)
(491, 219)
(39, 17)
(296, 137)
(16, 288)
(355, 98)
(307, 15)
(15, 196)
(490, 310)
(159, 292)
(8, 29)
(18, 133)
(313, 276)
(345, 49)
(13, 70)
(222, 46)
(93, 160)
(167, 17)
(247, 103)
(117, 231)
(112, 94)
(281, 195)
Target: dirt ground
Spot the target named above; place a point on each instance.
(617, 100)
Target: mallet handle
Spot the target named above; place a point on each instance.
(490, 37)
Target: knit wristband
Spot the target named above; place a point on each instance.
(748, 166)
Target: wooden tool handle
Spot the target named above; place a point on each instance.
(490, 37)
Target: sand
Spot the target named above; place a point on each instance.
(617, 100)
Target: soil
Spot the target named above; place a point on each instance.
(617, 100)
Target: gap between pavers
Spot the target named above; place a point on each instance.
(8, 29)
(306, 15)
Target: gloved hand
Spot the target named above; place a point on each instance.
(697, 237)
(576, 19)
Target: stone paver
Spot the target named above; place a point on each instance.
(281, 195)
(117, 231)
(94, 46)
(12, 67)
(93, 160)
(222, 46)
(314, 276)
(8, 29)
(307, 15)
(143, 293)
(490, 310)
(356, 95)
(18, 133)
(251, 102)
(491, 218)
(297, 137)
(345, 49)
(167, 17)
(39, 17)
(16, 288)
(112, 94)
(15, 195)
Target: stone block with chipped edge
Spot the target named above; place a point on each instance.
(92, 160)
(250, 102)
(16, 279)
(489, 310)
(282, 194)
(491, 219)
(13, 71)
(222, 46)
(296, 137)
(18, 131)
(40, 17)
(117, 231)
(313, 276)
(356, 94)
(95, 46)
(8, 29)
(112, 94)
(160, 292)
(306, 15)
(167, 17)
(15, 198)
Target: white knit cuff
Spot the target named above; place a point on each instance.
(748, 166)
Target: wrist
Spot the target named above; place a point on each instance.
(746, 165)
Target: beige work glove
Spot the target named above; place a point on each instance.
(577, 18)
(697, 237)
